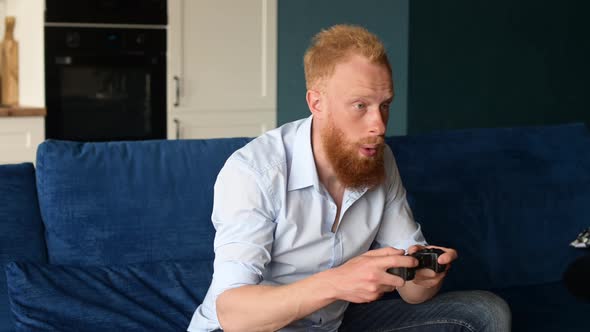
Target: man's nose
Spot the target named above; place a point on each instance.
(378, 122)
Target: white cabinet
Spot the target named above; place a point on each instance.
(222, 59)
(19, 138)
(218, 125)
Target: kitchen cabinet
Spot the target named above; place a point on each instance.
(21, 131)
(223, 124)
(222, 59)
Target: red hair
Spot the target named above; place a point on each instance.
(334, 45)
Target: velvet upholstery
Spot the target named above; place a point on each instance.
(157, 296)
(509, 200)
(129, 202)
(21, 230)
(131, 221)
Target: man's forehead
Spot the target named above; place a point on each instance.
(384, 92)
(368, 87)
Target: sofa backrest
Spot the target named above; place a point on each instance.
(21, 229)
(129, 202)
(509, 199)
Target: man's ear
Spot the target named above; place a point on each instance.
(314, 102)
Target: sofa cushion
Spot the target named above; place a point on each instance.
(21, 229)
(509, 199)
(129, 202)
(158, 296)
(545, 307)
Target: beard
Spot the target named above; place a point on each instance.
(353, 170)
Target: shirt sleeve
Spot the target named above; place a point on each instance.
(243, 217)
(398, 227)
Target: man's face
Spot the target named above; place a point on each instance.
(358, 96)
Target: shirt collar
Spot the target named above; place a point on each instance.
(303, 171)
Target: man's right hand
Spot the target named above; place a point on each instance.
(365, 277)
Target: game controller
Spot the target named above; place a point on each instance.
(427, 259)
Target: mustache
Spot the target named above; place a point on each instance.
(379, 140)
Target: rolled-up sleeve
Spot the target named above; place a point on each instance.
(398, 228)
(243, 217)
(244, 220)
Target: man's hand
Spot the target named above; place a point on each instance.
(426, 277)
(426, 282)
(365, 277)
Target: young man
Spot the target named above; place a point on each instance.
(309, 217)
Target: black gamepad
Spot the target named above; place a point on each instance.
(427, 259)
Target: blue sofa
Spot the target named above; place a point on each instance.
(117, 236)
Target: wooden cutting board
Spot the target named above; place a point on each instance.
(9, 65)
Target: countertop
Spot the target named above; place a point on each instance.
(6, 111)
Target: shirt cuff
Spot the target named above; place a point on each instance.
(232, 274)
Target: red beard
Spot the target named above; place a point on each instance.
(352, 170)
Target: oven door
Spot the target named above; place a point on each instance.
(105, 84)
(105, 98)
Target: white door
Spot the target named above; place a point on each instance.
(221, 67)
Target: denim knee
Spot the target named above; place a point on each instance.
(484, 310)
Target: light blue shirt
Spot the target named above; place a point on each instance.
(274, 221)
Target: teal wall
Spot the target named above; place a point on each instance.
(501, 63)
(457, 63)
(299, 20)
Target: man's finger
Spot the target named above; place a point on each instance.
(448, 256)
(386, 262)
(385, 251)
(415, 248)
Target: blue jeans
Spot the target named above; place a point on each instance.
(453, 311)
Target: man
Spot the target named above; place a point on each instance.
(309, 217)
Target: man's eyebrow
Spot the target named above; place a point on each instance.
(388, 100)
(364, 96)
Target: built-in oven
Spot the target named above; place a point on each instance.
(105, 70)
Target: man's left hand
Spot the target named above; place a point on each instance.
(427, 278)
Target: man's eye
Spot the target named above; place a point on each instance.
(385, 107)
(359, 106)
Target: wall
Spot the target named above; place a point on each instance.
(299, 20)
(480, 63)
(472, 63)
(29, 33)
